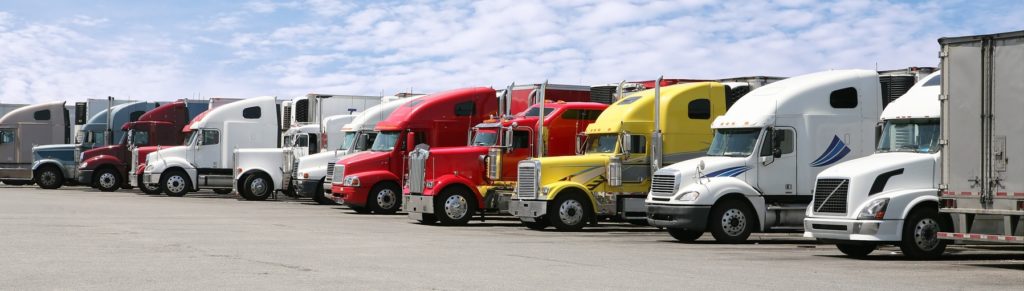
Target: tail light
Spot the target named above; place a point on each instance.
(948, 203)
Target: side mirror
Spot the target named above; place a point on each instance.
(776, 152)
(581, 140)
(410, 141)
(507, 139)
(627, 144)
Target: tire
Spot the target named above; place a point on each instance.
(857, 251)
(222, 191)
(107, 180)
(360, 210)
(257, 187)
(320, 197)
(540, 224)
(175, 183)
(49, 177)
(570, 212)
(732, 221)
(151, 190)
(384, 198)
(15, 182)
(684, 235)
(428, 219)
(455, 206)
(920, 234)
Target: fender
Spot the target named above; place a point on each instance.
(168, 163)
(275, 177)
(714, 188)
(37, 164)
(105, 160)
(370, 178)
(902, 201)
(447, 180)
(556, 188)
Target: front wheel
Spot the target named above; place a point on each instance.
(148, 189)
(428, 219)
(385, 198)
(570, 212)
(107, 180)
(858, 251)
(256, 187)
(685, 235)
(920, 234)
(456, 206)
(320, 197)
(175, 184)
(732, 221)
(49, 177)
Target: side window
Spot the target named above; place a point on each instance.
(572, 114)
(638, 144)
(592, 115)
(520, 139)
(467, 108)
(699, 109)
(140, 138)
(211, 137)
(41, 114)
(6, 136)
(252, 112)
(781, 138)
(844, 98)
(134, 116)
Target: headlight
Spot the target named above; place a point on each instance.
(545, 190)
(688, 196)
(351, 181)
(84, 164)
(874, 210)
(429, 184)
(305, 175)
(81, 156)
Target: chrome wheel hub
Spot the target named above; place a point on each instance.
(456, 207)
(176, 184)
(107, 180)
(733, 222)
(386, 199)
(925, 234)
(570, 212)
(258, 186)
(48, 177)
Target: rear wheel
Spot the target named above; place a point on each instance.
(148, 189)
(49, 177)
(455, 207)
(222, 191)
(732, 221)
(107, 180)
(256, 187)
(685, 235)
(385, 198)
(570, 212)
(920, 234)
(175, 183)
(858, 251)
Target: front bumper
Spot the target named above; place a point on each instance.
(528, 210)
(355, 196)
(306, 188)
(845, 229)
(151, 178)
(415, 203)
(689, 217)
(85, 177)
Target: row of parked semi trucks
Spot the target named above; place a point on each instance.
(833, 154)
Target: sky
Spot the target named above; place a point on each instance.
(164, 50)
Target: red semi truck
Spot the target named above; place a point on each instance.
(106, 168)
(451, 184)
(371, 181)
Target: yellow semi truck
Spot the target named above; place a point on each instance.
(611, 175)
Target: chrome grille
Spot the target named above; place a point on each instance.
(527, 186)
(417, 170)
(830, 195)
(663, 185)
(334, 173)
(494, 163)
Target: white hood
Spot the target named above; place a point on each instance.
(714, 166)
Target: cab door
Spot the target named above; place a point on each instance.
(776, 167)
(8, 147)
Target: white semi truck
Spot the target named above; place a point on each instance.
(890, 196)
(356, 136)
(759, 171)
(982, 180)
(206, 159)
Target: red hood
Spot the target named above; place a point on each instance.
(464, 159)
(104, 150)
(364, 161)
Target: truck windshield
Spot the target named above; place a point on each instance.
(734, 142)
(914, 135)
(347, 140)
(536, 110)
(287, 140)
(362, 145)
(193, 137)
(385, 141)
(486, 137)
(301, 140)
(602, 143)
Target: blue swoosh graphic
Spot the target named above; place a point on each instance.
(728, 172)
(836, 151)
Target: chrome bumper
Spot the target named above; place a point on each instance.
(417, 204)
(528, 210)
(853, 230)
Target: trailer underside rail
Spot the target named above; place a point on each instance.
(981, 237)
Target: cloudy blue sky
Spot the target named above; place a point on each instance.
(159, 50)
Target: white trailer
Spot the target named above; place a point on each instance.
(982, 180)
(206, 159)
(312, 108)
(759, 171)
(889, 197)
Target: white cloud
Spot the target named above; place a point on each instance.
(85, 20)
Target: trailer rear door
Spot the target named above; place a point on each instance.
(961, 122)
(1007, 122)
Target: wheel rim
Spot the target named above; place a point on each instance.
(925, 234)
(570, 212)
(733, 222)
(107, 180)
(258, 187)
(176, 184)
(386, 198)
(48, 178)
(456, 207)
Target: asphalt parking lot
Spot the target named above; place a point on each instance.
(76, 238)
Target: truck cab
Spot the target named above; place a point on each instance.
(612, 174)
(313, 172)
(371, 181)
(56, 165)
(451, 184)
(866, 202)
(24, 128)
(207, 159)
(759, 170)
(106, 167)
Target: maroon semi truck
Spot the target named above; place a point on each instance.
(106, 168)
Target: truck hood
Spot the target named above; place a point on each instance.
(316, 164)
(176, 151)
(882, 173)
(581, 168)
(146, 150)
(112, 150)
(364, 161)
(464, 159)
(55, 147)
(714, 167)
